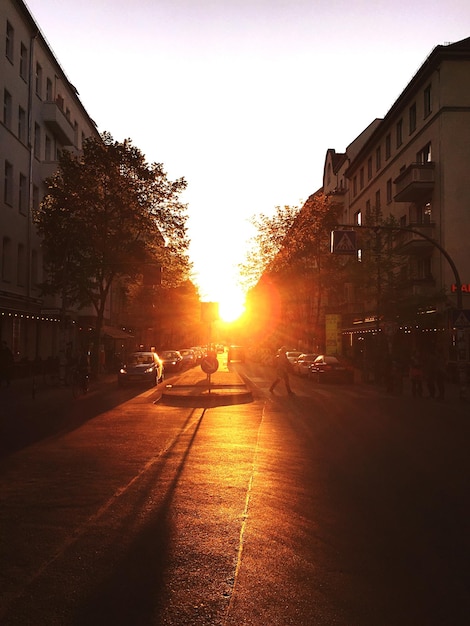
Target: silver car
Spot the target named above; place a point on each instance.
(141, 367)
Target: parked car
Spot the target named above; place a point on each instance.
(292, 356)
(189, 357)
(302, 364)
(172, 360)
(236, 353)
(141, 367)
(327, 368)
(199, 352)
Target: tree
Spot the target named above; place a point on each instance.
(108, 214)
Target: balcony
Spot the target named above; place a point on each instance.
(414, 183)
(58, 124)
(407, 242)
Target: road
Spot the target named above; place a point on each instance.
(340, 506)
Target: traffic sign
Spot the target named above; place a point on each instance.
(343, 242)
(209, 364)
(461, 319)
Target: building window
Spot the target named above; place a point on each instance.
(389, 191)
(21, 124)
(10, 42)
(358, 218)
(368, 211)
(424, 155)
(412, 114)
(35, 197)
(49, 95)
(377, 204)
(21, 266)
(38, 79)
(355, 186)
(388, 146)
(23, 194)
(369, 168)
(8, 184)
(427, 101)
(399, 133)
(6, 259)
(403, 221)
(7, 108)
(24, 62)
(34, 268)
(48, 149)
(361, 178)
(378, 159)
(37, 141)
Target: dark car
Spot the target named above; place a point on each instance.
(141, 367)
(189, 357)
(172, 360)
(327, 368)
(236, 353)
(303, 363)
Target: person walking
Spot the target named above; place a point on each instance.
(6, 364)
(282, 370)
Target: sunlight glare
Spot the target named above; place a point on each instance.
(231, 305)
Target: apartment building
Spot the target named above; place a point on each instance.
(413, 165)
(42, 115)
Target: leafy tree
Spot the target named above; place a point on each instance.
(108, 214)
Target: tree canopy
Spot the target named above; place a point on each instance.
(107, 214)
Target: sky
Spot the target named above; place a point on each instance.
(242, 98)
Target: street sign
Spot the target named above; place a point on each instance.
(461, 319)
(210, 364)
(343, 242)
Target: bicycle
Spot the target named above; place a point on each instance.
(80, 383)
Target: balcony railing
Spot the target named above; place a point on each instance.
(57, 122)
(415, 182)
(408, 242)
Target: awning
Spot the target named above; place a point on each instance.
(116, 333)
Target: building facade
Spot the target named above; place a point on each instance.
(411, 168)
(42, 115)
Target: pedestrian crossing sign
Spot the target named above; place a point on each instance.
(343, 242)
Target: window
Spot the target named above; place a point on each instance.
(361, 178)
(412, 114)
(355, 185)
(378, 159)
(48, 149)
(377, 204)
(369, 168)
(22, 124)
(399, 133)
(23, 194)
(34, 268)
(6, 259)
(389, 191)
(21, 266)
(37, 141)
(403, 221)
(38, 79)
(388, 146)
(8, 184)
(358, 218)
(49, 96)
(9, 42)
(427, 101)
(424, 155)
(24, 62)
(7, 108)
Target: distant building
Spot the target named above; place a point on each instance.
(42, 114)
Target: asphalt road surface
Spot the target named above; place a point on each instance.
(342, 505)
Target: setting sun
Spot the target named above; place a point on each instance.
(231, 305)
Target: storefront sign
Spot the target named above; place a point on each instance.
(464, 288)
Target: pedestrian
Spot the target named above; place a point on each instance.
(6, 364)
(416, 376)
(435, 376)
(282, 366)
